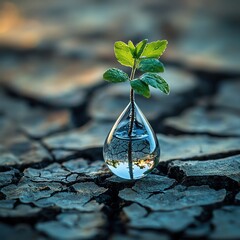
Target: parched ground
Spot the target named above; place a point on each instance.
(56, 111)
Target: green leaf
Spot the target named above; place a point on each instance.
(132, 47)
(150, 65)
(123, 54)
(154, 80)
(140, 87)
(140, 48)
(155, 49)
(115, 75)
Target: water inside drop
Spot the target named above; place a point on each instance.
(134, 156)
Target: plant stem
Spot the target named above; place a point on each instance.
(130, 167)
(131, 124)
(132, 101)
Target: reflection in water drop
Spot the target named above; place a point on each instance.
(134, 156)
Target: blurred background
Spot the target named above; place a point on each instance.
(52, 56)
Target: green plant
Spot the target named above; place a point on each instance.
(143, 57)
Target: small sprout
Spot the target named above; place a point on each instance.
(143, 57)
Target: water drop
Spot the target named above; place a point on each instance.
(131, 149)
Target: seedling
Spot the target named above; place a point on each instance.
(145, 58)
(131, 149)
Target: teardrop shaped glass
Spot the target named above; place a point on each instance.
(131, 149)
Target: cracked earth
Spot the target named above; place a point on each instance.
(54, 183)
